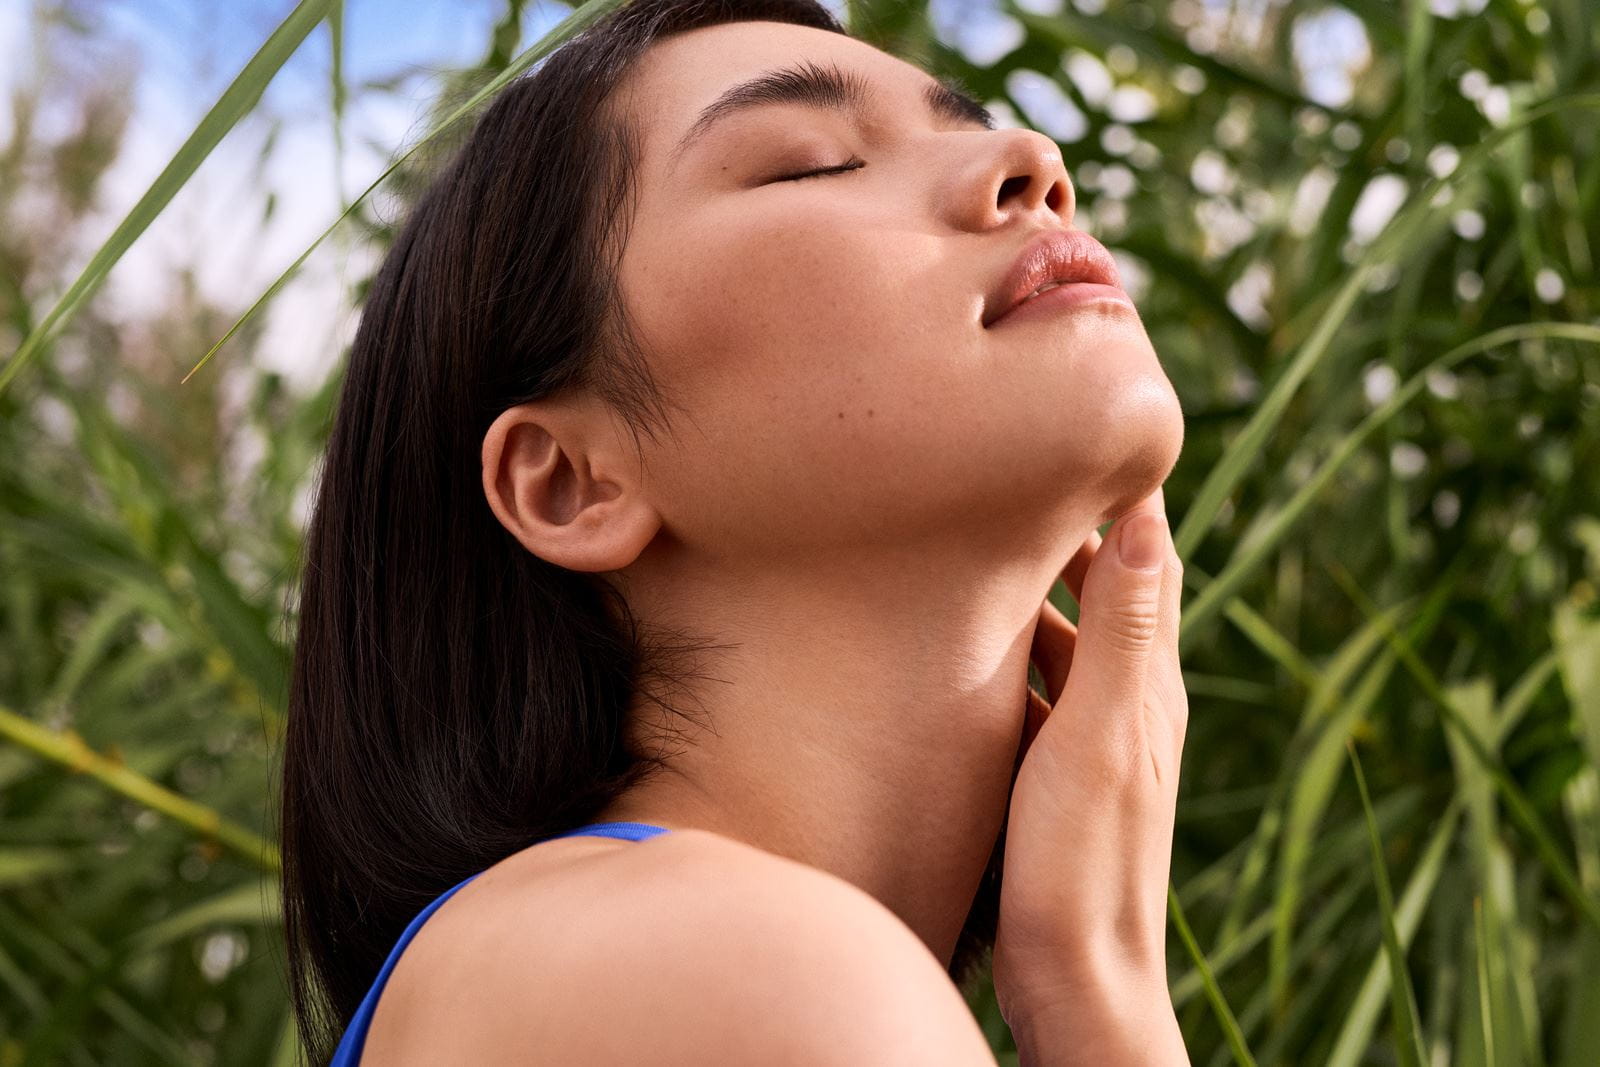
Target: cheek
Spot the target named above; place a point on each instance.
(796, 310)
(793, 284)
(812, 362)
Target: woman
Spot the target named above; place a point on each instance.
(683, 538)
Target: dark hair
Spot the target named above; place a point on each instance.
(455, 698)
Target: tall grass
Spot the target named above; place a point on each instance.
(1389, 504)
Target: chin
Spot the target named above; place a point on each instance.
(1148, 431)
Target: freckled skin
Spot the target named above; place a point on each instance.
(876, 578)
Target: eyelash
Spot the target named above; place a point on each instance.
(853, 163)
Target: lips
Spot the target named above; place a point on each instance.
(1055, 256)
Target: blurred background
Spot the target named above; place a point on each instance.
(1362, 236)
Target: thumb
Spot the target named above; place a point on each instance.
(1117, 621)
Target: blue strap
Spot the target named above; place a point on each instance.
(355, 1035)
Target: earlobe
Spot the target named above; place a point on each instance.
(556, 481)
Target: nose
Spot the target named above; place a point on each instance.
(1013, 172)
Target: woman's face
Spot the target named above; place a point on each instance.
(824, 336)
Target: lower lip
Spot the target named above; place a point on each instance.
(1072, 294)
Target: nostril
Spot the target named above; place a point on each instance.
(1011, 186)
(1058, 197)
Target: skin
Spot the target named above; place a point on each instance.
(867, 493)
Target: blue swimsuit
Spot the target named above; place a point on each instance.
(355, 1035)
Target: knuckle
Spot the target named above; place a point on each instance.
(1127, 761)
(1130, 626)
(1172, 702)
(1170, 691)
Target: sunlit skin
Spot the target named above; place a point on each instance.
(867, 493)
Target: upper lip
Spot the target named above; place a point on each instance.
(1052, 256)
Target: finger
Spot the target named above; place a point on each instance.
(1053, 641)
(1119, 621)
(1167, 642)
(1078, 565)
(1038, 710)
(1171, 603)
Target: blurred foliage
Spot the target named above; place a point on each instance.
(1379, 305)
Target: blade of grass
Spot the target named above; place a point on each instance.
(1518, 804)
(1580, 802)
(336, 93)
(251, 903)
(1325, 695)
(1223, 687)
(1403, 999)
(1329, 910)
(1219, 1003)
(21, 985)
(237, 100)
(87, 985)
(1510, 993)
(68, 749)
(1577, 644)
(1314, 954)
(1258, 630)
(558, 35)
(151, 1035)
(20, 864)
(1314, 782)
(288, 1052)
(1485, 1005)
(93, 641)
(1311, 770)
(1580, 1036)
(1521, 695)
(1419, 34)
(1355, 1033)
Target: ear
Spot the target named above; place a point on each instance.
(557, 475)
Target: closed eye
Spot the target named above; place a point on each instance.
(853, 163)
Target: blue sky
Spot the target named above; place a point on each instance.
(381, 36)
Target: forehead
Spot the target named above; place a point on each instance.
(679, 76)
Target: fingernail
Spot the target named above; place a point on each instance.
(1143, 544)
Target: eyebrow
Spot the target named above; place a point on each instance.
(830, 89)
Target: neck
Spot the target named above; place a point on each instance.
(864, 720)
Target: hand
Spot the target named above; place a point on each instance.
(1088, 849)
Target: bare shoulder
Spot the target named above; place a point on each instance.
(686, 948)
